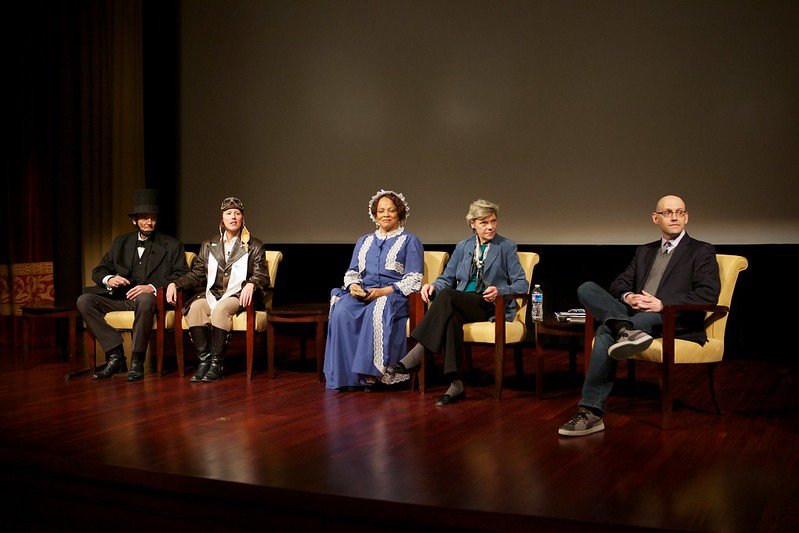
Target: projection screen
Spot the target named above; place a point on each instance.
(575, 117)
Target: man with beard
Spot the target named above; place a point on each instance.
(127, 279)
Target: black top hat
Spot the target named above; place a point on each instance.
(144, 201)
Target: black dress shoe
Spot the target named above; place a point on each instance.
(399, 368)
(116, 365)
(447, 399)
(136, 371)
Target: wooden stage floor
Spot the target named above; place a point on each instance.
(289, 454)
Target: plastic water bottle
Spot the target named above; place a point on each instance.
(537, 310)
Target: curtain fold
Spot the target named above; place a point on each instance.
(76, 148)
(112, 137)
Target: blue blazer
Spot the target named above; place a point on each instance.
(501, 269)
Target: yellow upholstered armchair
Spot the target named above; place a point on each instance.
(250, 321)
(123, 321)
(670, 351)
(499, 333)
(434, 264)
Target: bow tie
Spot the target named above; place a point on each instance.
(142, 244)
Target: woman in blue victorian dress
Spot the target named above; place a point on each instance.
(368, 315)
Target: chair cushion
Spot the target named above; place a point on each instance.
(240, 321)
(484, 332)
(684, 352)
(124, 319)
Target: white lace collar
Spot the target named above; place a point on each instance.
(383, 236)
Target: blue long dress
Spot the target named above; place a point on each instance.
(363, 338)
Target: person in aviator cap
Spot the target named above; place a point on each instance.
(127, 278)
(230, 272)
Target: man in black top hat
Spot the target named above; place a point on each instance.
(127, 279)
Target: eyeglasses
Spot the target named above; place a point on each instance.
(668, 213)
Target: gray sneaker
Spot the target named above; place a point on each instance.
(629, 343)
(583, 423)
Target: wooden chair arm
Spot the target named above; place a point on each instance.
(416, 309)
(179, 310)
(250, 310)
(499, 303)
(669, 313)
(717, 311)
(160, 307)
(499, 317)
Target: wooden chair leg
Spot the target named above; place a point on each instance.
(250, 352)
(179, 352)
(518, 361)
(714, 393)
(179, 355)
(539, 375)
(423, 372)
(499, 363)
(417, 377)
(412, 378)
(270, 350)
(159, 353)
(667, 394)
(90, 344)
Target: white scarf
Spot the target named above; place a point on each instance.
(237, 276)
(480, 261)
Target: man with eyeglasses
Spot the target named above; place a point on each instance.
(127, 277)
(675, 269)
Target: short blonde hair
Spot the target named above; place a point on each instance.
(481, 209)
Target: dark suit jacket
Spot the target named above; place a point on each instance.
(691, 277)
(167, 262)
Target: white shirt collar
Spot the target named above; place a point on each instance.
(674, 242)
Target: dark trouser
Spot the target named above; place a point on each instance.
(441, 329)
(93, 307)
(607, 310)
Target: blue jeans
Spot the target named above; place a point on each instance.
(607, 311)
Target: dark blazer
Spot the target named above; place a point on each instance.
(167, 262)
(691, 277)
(502, 270)
(194, 283)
